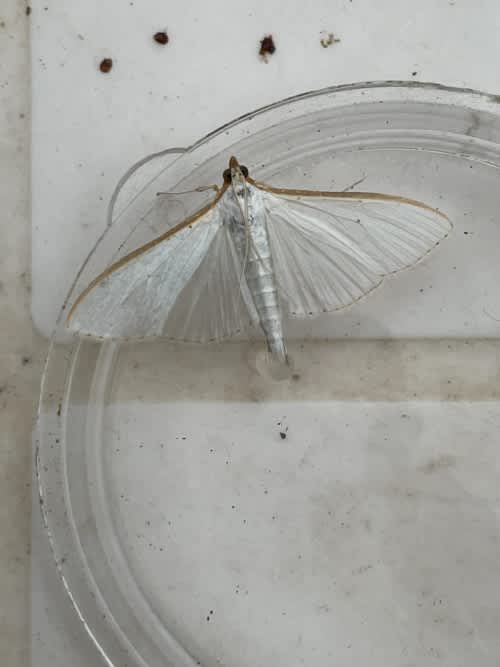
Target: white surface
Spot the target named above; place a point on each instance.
(333, 531)
(88, 127)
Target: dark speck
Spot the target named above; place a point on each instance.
(25, 360)
(267, 47)
(106, 65)
(161, 37)
(28, 10)
(466, 233)
(282, 435)
(59, 408)
(414, 73)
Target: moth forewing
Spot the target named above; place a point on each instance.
(111, 287)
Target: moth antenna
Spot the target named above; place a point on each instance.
(201, 188)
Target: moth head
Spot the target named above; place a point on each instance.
(235, 173)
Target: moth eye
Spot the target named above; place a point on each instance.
(227, 175)
(244, 171)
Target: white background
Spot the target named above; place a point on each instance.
(89, 127)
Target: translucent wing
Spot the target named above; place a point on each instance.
(216, 302)
(184, 285)
(330, 249)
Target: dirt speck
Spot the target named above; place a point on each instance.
(327, 39)
(283, 429)
(106, 65)
(26, 280)
(161, 37)
(267, 47)
(25, 360)
(362, 569)
(440, 463)
(367, 525)
(28, 10)
(59, 409)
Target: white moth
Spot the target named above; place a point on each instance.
(252, 253)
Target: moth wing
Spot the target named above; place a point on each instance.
(185, 285)
(330, 249)
(216, 303)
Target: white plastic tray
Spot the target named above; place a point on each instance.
(188, 531)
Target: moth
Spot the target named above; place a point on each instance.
(253, 253)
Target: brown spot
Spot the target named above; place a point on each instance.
(28, 10)
(327, 39)
(106, 65)
(161, 37)
(267, 47)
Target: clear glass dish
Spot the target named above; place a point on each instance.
(201, 513)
